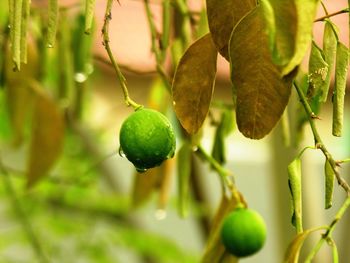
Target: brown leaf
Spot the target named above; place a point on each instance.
(262, 94)
(223, 15)
(194, 83)
(47, 137)
(144, 185)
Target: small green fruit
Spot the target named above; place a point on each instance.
(243, 232)
(147, 139)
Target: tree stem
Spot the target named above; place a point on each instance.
(346, 10)
(121, 78)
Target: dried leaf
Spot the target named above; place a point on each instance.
(194, 83)
(215, 250)
(294, 181)
(306, 12)
(262, 94)
(222, 17)
(329, 184)
(341, 72)
(47, 137)
(144, 185)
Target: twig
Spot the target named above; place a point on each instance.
(346, 10)
(318, 141)
(329, 231)
(157, 52)
(22, 217)
(224, 174)
(127, 68)
(121, 78)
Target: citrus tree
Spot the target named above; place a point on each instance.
(46, 63)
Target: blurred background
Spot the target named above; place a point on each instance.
(88, 208)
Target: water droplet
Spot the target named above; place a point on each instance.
(195, 148)
(160, 214)
(89, 68)
(141, 170)
(49, 45)
(80, 77)
(174, 103)
(121, 153)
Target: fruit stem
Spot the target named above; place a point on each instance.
(121, 78)
(318, 141)
(224, 174)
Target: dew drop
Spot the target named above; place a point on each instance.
(121, 153)
(160, 214)
(174, 103)
(195, 148)
(49, 45)
(141, 170)
(80, 77)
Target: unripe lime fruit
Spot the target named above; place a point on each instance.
(243, 232)
(147, 139)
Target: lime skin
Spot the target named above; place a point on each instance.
(243, 232)
(147, 139)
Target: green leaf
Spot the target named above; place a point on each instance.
(16, 28)
(293, 250)
(52, 22)
(341, 72)
(294, 181)
(222, 17)
(89, 15)
(47, 137)
(285, 16)
(330, 49)
(306, 12)
(225, 127)
(194, 83)
(318, 70)
(256, 78)
(329, 184)
(215, 251)
(184, 173)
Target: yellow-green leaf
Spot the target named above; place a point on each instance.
(285, 15)
(330, 49)
(293, 250)
(306, 12)
(16, 29)
(262, 94)
(294, 180)
(47, 137)
(318, 70)
(184, 160)
(223, 15)
(194, 84)
(341, 72)
(215, 250)
(52, 23)
(329, 184)
(89, 15)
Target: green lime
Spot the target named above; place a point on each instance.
(243, 232)
(147, 139)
